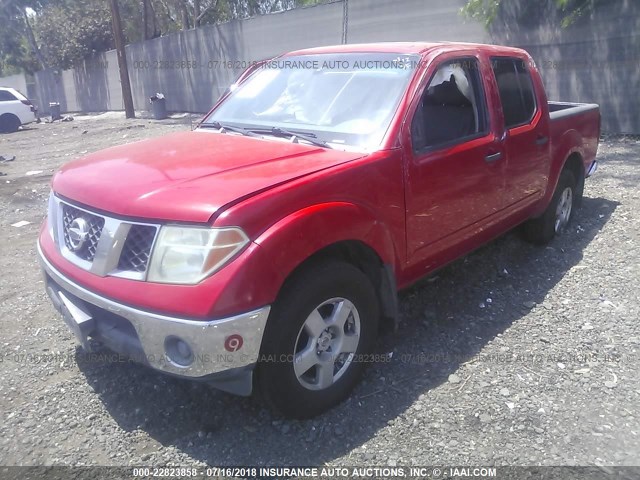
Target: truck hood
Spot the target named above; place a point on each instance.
(187, 176)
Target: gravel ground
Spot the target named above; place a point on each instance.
(513, 355)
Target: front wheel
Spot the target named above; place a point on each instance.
(9, 123)
(557, 216)
(320, 330)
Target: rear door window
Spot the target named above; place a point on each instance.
(6, 96)
(516, 90)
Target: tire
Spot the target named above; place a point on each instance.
(557, 216)
(301, 326)
(9, 123)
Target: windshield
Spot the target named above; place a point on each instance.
(342, 99)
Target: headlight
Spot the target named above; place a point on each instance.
(190, 254)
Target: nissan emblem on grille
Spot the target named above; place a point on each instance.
(82, 231)
(78, 231)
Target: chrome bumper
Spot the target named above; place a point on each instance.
(217, 346)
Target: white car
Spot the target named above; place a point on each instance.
(15, 110)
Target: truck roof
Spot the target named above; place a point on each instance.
(405, 48)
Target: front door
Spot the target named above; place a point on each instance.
(456, 165)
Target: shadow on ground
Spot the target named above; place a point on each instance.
(443, 325)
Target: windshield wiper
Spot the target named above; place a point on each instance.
(280, 132)
(307, 137)
(228, 128)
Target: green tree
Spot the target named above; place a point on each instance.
(568, 11)
(185, 14)
(19, 49)
(72, 30)
(36, 34)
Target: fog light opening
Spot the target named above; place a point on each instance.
(178, 351)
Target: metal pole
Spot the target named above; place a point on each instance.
(345, 20)
(122, 60)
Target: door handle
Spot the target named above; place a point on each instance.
(493, 157)
(541, 140)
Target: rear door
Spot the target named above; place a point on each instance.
(455, 164)
(526, 126)
(13, 102)
(7, 101)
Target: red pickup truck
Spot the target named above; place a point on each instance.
(264, 250)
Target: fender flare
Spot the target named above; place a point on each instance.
(295, 238)
(569, 144)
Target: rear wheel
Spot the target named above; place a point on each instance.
(9, 123)
(325, 320)
(557, 216)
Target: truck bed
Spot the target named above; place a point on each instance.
(566, 109)
(575, 124)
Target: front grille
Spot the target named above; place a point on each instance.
(126, 246)
(137, 248)
(94, 228)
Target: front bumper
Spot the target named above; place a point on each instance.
(27, 117)
(219, 349)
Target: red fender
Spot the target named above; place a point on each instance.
(309, 230)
